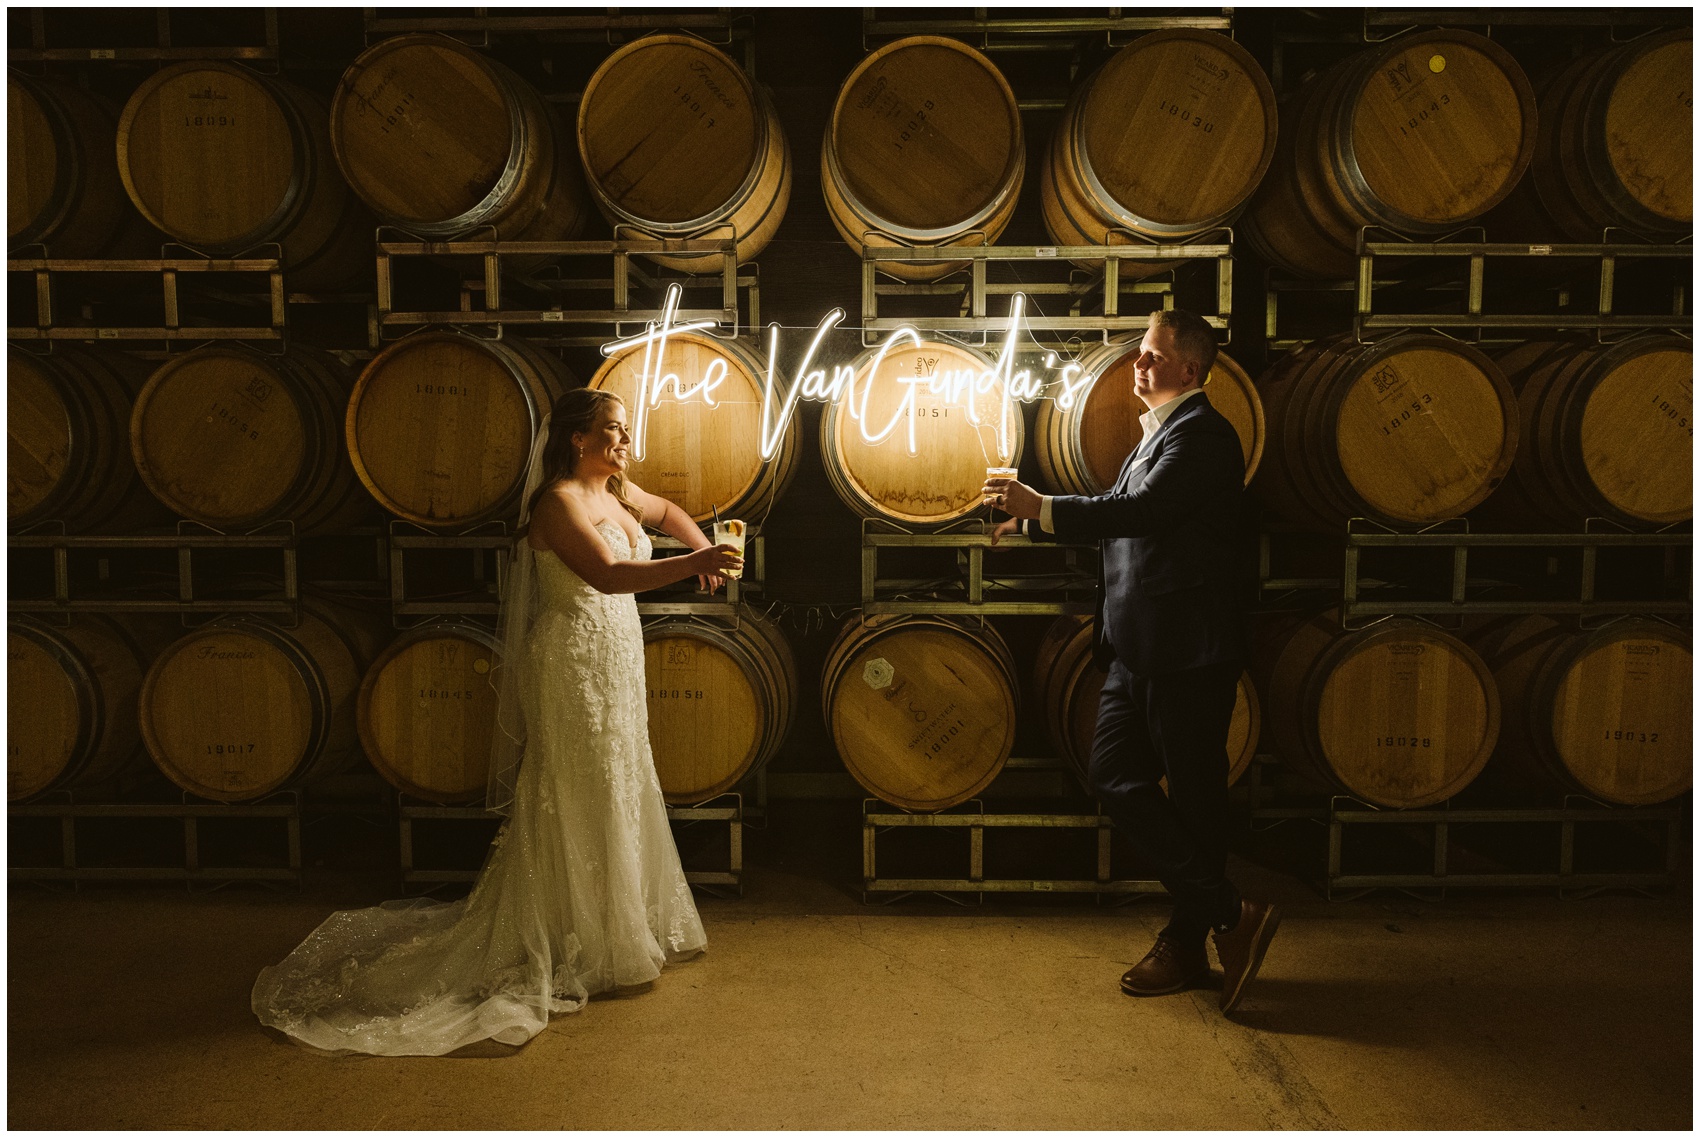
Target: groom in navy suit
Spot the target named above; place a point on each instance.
(1171, 630)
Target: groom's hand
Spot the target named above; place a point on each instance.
(1004, 528)
(1011, 497)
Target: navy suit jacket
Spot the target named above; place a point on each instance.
(1173, 534)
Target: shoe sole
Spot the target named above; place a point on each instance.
(1259, 945)
(1189, 982)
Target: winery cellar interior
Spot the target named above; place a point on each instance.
(292, 289)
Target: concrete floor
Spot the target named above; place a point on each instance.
(129, 1009)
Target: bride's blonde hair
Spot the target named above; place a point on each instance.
(579, 410)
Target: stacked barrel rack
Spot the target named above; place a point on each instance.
(392, 257)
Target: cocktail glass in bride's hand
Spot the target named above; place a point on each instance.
(731, 532)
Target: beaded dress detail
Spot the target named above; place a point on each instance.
(582, 891)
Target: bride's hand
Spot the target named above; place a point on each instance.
(714, 560)
(710, 583)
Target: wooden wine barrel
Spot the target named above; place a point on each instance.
(1397, 714)
(1417, 135)
(62, 183)
(427, 710)
(224, 159)
(1196, 98)
(1411, 430)
(71, 703)
(243, 707)
(922, 708)
(924, 149)
(233, 437)
(720, 701)
(1617, 140)
(1068, 684)
(941, 480)
(1081, 449)
(1607, 712)
(440, 139)
(678, 142)
(1607, 430)
(440, 425)
(697, 455)
(67, 413)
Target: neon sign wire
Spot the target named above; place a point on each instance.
(961, 387)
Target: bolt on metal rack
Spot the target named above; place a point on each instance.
(727, 808)
(1100, 289)
(970, 576)
(168, 269)
(1364, 597)
(617, 318)
(1455, 271)
(973, 817)
(191, 536)
(163, 50)
(284, 806)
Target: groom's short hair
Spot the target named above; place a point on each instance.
(1193, 336)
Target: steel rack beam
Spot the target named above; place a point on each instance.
(620, 316)
(1346, 812)
(1104, 289)
(193, 869)
(185, 544)
(876, 590)
(162, 51)
(976, 821)
(1028, 30)
(168, 268)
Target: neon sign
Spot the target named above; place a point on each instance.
(967, 388)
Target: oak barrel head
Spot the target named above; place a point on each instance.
(48, 712)
(36, 164)
(941, 479)
(696, 455)
(925, 135)
(1636, 438)
(38, 436)
(422, 128)
(209, 155)
(1198, 99)
(922, 711)
(1622, 717)
(1649, 134)
(427, 712)
(669, 128)
(219, 436)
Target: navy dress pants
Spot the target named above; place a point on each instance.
(1172, 726)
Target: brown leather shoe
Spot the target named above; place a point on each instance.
(1168, 967)
(1241, 948)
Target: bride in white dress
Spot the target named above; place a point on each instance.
(582, 891)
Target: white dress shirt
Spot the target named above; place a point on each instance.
(1151, 422)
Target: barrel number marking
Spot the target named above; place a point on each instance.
(675, 693)
(1198, 122)
(1404, 741)
(1422, 114)
(440, 389)
(1631, 736)
(912, 128)
(230, 417)
(230, 748)
(1664, 408)
(1417, 406)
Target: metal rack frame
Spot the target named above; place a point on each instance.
(875, 815)
(409, 812)
(185, 543)
(406, 536)
(168, 269)
(1101, 289)
(723, 27)
(163, 51)
(973, 578)
(1033, 33)
(1357, 593)
(192, 870)
(733, 282)
(1468, 282)
(1343, 812)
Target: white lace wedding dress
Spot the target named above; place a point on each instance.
(582, 891)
